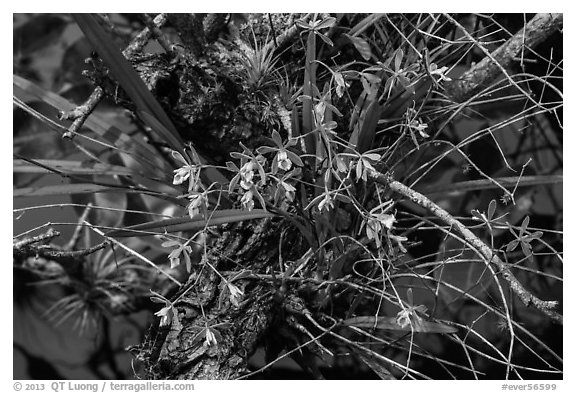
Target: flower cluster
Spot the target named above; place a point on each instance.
(399, 75)
(179, 250)
(246, 176)
(415, 124)
(408, 315)
(364, 165)
(167, 313)
(440, 72)
(186, 172)
(375, 224)
(284, 158)
(198, 202)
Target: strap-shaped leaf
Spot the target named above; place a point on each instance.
(85, 188)
(307, 104)
(389, 323)
(209, 173)
(367, 130)
(362, 46)
(128, 78)
(71, 167)
(65, 189)
(115, 136)
(375, 363)
(172, 225)
(485, 184)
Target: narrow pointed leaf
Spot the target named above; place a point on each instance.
(327, 40)
(486, 184)
(128, 78)
(367, 130)
(361, 46)
(491, 209)
(172, 225)
(375, 364)
(398, 59)
(309, 82)
(327, 22)
(71, 167)
(389, 323)
(64, 189)
(211, 174)
(294, 158)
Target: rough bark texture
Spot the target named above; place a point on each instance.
(181, 352)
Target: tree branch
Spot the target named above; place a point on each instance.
(490, 68)
(527, 298)
(56, 255)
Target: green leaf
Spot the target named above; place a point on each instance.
(486, 184)
(307, 91)
(367, 130)
(361, 46)
(64, 189)
(365, 24)
(277, 139)
(389, 323)
(525, 224)
(491, 209)
(172, 225)
(376, 364)
(71, 167)
(327, 40)
(295, 158)
(398, 59)
(266, 149)
(327, 22)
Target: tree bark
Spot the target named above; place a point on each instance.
(181, 352)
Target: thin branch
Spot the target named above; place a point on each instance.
(489, 69)
(136, 254)
(57, 255)
(527, 298)
(50, 234)
(78, 230)
(81, 112)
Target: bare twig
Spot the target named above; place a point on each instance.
(81, 112)
(57, 255)
(78, 230)
(527, 298)
(60, 254)
(136, 254)
(490, 68)
(50, 234)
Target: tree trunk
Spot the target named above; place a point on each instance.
(182, 351)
